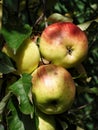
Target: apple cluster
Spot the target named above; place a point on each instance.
(63, 45)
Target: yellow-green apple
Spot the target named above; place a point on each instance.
(27, 56)
(46, 122)
(53, 89)
(64, 44)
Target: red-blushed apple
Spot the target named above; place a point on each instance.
(53, 89)
(46, 122)
(27, 57)
(64, 44)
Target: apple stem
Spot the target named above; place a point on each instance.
(46, 23)
(40, 18)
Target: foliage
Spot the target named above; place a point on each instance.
(28, 18)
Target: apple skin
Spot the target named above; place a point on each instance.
(27, 57)
(64, 44)
(53, 89)
(45, 122)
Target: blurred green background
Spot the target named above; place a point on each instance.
(23, 18)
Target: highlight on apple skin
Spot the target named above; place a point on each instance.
(27, 57)
(64, 44)
(53, 89)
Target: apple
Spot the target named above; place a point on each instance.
(64, 44)
(27, 56)
(53, 89)
(45, 122)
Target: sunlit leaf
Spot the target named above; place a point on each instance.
(15, 34)
(14, 122)
(85, 25)
(21, 89)
(56, 17)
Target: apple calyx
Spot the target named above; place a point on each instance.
(53, 89)
(63, 44)
(69, 50)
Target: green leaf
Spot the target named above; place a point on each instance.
(14, 122)
(1, 127)
(16, 34)
(3, 104)
(6, 65)
(93, 90)
(56, 17)
(87, 89)
(22, 89)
